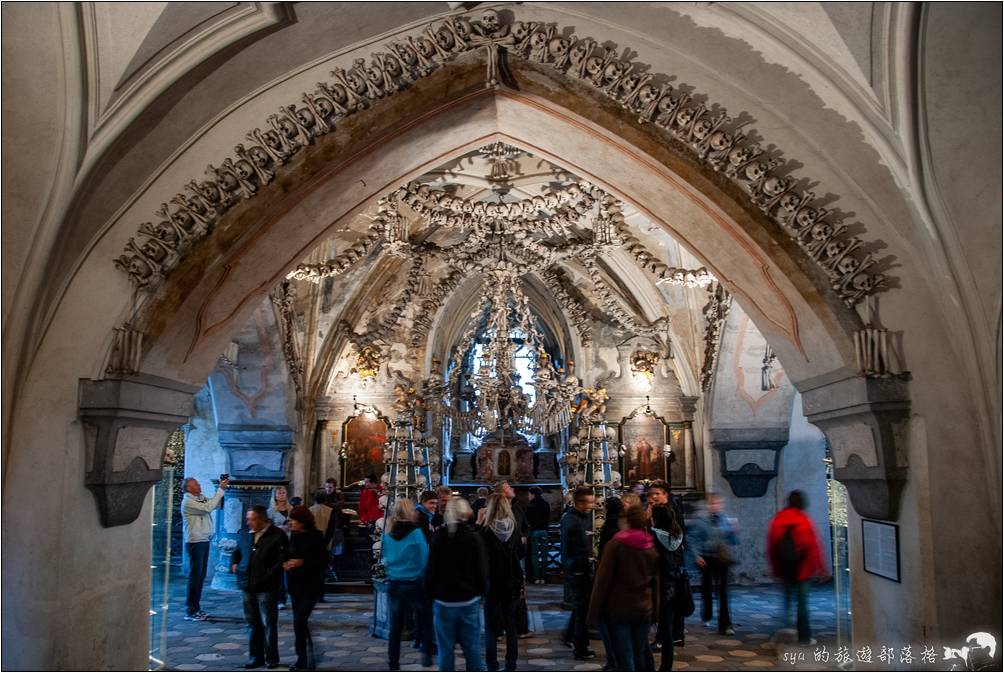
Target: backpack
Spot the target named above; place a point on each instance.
(786, 554)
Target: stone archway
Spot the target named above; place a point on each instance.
(450, 112)
(207, 294)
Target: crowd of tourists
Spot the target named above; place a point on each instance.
(453, 568)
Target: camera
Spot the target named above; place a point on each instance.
(224, 476)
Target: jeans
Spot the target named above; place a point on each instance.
(198, 558)
(799, 592)
(407, 596)
(717, 573)
(303, 605)
(665, 632)
(629, 642)
(579, 586)
(261, 612)
(458, 625)
(501, 616)
(538, 555)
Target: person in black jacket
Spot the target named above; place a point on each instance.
(456, 581)
(305, 569)
(538, 514)
(257, 561)
(667, 527)
(613, 507)
(576, 552)
(505, 580)
(523, 525)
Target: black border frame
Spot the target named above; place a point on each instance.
(895, 527)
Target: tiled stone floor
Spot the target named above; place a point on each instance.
(340, 629)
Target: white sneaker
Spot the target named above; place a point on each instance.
(730, 631)
(195, 618)
(707, 625)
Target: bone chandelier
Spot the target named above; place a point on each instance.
(446, 238)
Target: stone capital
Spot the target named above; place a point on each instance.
(127, 422)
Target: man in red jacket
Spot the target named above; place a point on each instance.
(796, 557)
(369, 501)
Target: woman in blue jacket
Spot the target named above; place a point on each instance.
(405, 553)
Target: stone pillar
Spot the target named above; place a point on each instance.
(328, 446)
(865, 421)
(688, 406)
(241, 495)
(127, 422)
(689, 455)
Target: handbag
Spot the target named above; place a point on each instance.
(683, 599)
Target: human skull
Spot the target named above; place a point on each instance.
(739, 156)
(444, 38)
(848, 265)
(227, 180)
(463, 27)
(271, 139)
(538, 41)
(490, 20)
(593, 65)
(719, 141)
(647, 94)
(702, 128)
(404, 53)
(136, 266)
(244, 169)
(863, 282)
(614, 70)
(210, 191)
(357, 83)
(821, 231)
(789, 202)
(339, 94)
(182, 219)
(152, 250)
(558, 47)
(520, 29)
(630, 82)
(774, 185)
(684, 116)
(666, 104)
(426, 47)
(806, 216)
(580, 51)
(259, 155)
(756, 170)
(324, 106)
(288, 127)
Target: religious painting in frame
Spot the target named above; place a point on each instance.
(365, 436)
(643, 436)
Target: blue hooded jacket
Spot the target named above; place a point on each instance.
(404, 552)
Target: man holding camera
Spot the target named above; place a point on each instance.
(197, 511)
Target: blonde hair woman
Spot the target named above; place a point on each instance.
(278, 513)
(457, 578)
(405, 554)
(504, 548)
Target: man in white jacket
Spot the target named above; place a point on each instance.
(197, 510)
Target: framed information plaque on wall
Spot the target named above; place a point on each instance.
(880, 546)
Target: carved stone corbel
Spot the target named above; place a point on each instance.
(127, 422)
(749, 457)
(256, 452)
(865, 421)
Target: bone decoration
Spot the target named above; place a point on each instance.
(705, 129)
